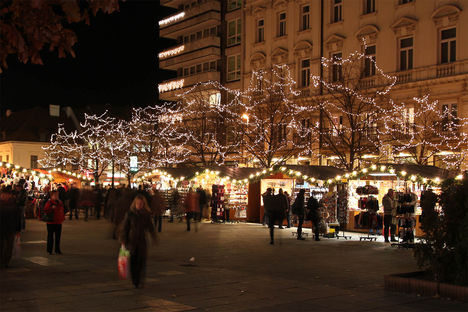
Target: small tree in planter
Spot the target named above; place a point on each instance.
(444, 247)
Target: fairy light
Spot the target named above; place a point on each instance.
(171, 85)
(171, 52)
(171, 19)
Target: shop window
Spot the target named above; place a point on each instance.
(282, 24)
(234, 4)
(406, 53)
(234, 32)
(233, 67)
(369, 61)
(34, 162)
(305, 17)
(337, 12)
(305, 73)
(260, 30)
(448, 45)
(337, 68)
(369, 6)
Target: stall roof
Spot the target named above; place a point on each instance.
(429, 172)
(241, 173)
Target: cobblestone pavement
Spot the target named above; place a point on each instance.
(235, 269)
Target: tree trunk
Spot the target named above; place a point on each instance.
(113, 172)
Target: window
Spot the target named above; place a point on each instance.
(449, 116)
(199, 68)
(192, 37)
(337, 68)
(305, 17)
(234, 32)
(260, 30)
(234, 66)
(213, 31)
(369, 6)
(337, 11)
(405, 1)
(206, 32)
(408, 117)
(213, 66)
(305, 73)
(406, 53)
(186, 71)
(448, 45)
(206, 66)
(192, 70)
(199, 35)
(282, 24)
(281, 133)
(34, 162)
(369, 62)
(214, 99)
(186, 39)
(234, 4)
(7, 158)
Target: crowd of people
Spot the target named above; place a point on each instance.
(133, 213)
(278, 207)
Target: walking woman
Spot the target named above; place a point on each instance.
(136, 224)
(54, 228)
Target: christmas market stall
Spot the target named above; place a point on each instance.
(367, 187)
(315, 180)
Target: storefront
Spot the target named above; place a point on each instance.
(367, 188)
(291, 179)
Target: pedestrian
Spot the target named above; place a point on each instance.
(21, 198)
(10, 226)
(97, 200)
(158, 207)
(134, 228)
(389, 204)
(313, 214)
(202, 199)
(288, 209)
(54, 228)
(73, 196)
(191, 206)
(299, 211)
(266, 205)
(283, 202)
(270, 211)
(175, 205)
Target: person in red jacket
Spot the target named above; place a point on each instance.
(54, 228)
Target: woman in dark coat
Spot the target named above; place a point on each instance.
(136, 224)
(10, 225)
(298, 209)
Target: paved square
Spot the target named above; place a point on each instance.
(234, 269)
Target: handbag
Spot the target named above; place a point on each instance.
(122, 262)
(47, 216)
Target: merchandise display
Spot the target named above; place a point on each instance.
(217, 202)
(237, 199)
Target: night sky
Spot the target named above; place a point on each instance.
(116, 63)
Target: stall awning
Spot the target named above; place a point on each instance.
(429, 172)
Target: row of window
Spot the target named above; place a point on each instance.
(231, 5)
(447, 55)
(233, 68)
(207, 32)
(304, 18)
(33, 164)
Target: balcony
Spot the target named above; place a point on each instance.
(204, 12)
(188, 81)
(194, 50)
(431, 72)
